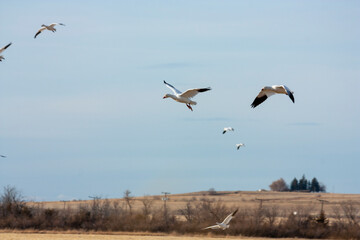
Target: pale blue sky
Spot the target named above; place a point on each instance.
(82, 110)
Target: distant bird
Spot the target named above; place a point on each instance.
(3, 49)
(51, 27)
(240, 145)
(186, 96)
(225, 224)
(268, 91)
(2, 156)
(227, 129)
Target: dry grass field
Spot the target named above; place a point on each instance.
(261, 213)
(120, 236)
(235, 199)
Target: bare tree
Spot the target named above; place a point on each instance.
(188, 212)
(11, 201)
(147, 204)
(129, 200)
(279, 185)
(212, 191)
(351, 212)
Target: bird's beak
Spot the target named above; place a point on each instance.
(164, 97)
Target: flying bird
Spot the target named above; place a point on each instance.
(186, 96)
(224, 224)
(227, 129)
(239, 145)
(3, 49)
(268, 91)
(3, 156)
(51, 27)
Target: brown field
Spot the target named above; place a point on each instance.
(235, 199)
(115, 236)
(287, 201)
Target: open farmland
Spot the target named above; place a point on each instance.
(260, 214)
(231, 199)
(120, 236)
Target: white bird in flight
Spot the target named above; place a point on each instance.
(227, 129)
(186, 96)
(51, 27)
(224, 224)
(268, 91)
(239, 145)
(3, 49)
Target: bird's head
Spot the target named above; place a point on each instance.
(165, 96)
(43, 25)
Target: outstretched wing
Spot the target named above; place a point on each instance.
(172, 88)
(212, 227)
(261, 97)
(40, 30)
(2, 49)
(54, 24)
(229, 217)
(289, 93)
(192, 92)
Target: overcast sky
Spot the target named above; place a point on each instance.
(81, 110)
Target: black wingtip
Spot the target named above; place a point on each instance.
(224, 132)
(235, 212)
(292, 97)
(258, 100)
(204, 89)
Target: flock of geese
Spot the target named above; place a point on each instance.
(50, 27)
(186, 97)
(266, 92)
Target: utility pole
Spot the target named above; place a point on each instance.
(165, 198)
(260, 202)
(94, 198)
(322, 204)
(64, 201)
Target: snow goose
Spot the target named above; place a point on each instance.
(51, 27)
(268, 91)
(186, 96)
(225, 224)
(239, 145)
(227, 129)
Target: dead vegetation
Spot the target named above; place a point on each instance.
(260, 214)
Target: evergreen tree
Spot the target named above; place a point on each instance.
(315, 186)
(294, 186)
(303, 183)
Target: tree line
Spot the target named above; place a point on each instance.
(302, 184)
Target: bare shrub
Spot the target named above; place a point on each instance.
(279, 185)
(147, 205)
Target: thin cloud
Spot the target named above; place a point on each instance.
(309, 124)
(170, 65)
(214, 119)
